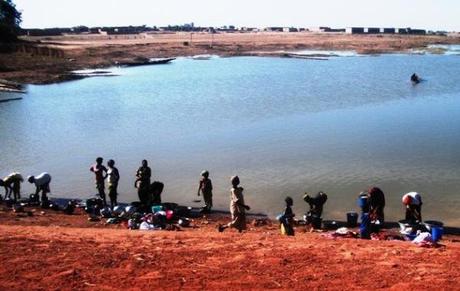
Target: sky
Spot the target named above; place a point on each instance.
(428, 14)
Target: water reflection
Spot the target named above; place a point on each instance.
(286, 126)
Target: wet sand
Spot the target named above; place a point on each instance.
(41, 60)
(54, 251)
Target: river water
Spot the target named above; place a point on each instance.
(285, 126)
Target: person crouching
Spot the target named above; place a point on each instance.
(413, 203)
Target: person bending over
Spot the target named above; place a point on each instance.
(12, 185)
(42, 183)
(413, 203)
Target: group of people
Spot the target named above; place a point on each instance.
(149, 194)
(376, 204)
(373, 207)
(12, 185)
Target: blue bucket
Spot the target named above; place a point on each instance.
(436, 233)
(362, 201)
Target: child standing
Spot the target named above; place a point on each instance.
(205, 187)
(237, 207)
(287, 219)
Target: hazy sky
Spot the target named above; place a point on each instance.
(430, 14)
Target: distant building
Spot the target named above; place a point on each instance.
(417, 31)
(401, 30)
(274, 29)
(290, 29)
(375, 30)
(354, 30)
(45, 31)
(388, 30)
(249, 29)
(371, 30)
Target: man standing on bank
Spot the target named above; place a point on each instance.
(142, 183)
(100, 173)
(113, 176)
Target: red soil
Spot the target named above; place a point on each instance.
(54, 251)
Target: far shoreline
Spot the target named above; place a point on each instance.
(47, 60)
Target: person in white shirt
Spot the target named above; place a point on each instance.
(42, 183)
(413, 203)
(12, 185)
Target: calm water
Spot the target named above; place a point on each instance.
(285, 126)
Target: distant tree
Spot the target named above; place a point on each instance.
(10, 19)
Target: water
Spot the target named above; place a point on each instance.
(285, 126)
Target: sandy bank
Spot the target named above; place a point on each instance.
(54, 251)
(52, 59)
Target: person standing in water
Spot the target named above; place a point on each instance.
(237, 207)
(100, 172)
(113, 176)
(205, 187)
(142, 183)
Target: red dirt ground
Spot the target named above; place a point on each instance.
(58, 252)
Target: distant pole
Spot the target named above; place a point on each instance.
(191, 37)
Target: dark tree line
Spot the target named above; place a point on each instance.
(10, 19)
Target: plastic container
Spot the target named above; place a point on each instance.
(156, 208)
(436, 233)
(352, 219)
(362, 201)
(169, 214)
